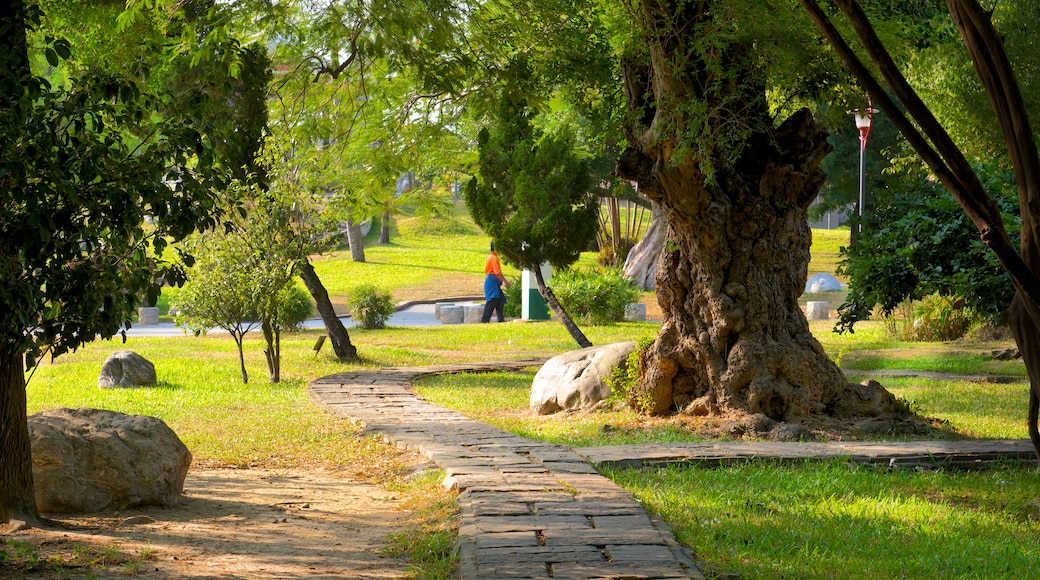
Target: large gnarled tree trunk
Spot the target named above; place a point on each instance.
(733, 336)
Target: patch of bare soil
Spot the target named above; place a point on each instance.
(230, 523)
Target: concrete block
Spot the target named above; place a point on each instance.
(635, 312)
(474, 312)
(817, 310)
(147, 315)
(452, 315)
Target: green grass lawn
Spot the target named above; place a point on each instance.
(819, 519)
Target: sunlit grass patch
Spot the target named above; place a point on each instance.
(829, 520)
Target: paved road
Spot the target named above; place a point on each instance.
(420, 314)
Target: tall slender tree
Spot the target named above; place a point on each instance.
(80, 167)
(948, 163)
(531, 195)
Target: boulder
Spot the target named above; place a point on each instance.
(577, 379)
(822, 283)
(126, 368)
(88, 460)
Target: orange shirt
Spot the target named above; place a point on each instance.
(492, 266)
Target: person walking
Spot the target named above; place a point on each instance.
(494, 299)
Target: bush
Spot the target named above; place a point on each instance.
(595, 297)
(294, 306)
(370, 307)
(934, 318)
(514, 298)
(624, 377)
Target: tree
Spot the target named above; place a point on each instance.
(921, 243)
(80, 167)
(531, 195)
(736, 187)
(222, 291)
(947, 162)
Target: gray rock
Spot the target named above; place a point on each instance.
(87, 460)
(822, 283)
(577, 379)
(126, 368)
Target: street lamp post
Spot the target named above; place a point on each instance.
(864, 121)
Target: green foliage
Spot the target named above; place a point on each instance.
(933, 318)
(531, 193)
(514, 299)
(624, 376)
(294, 306)
(81, 166)
(370, 306)
(921, 244)
(221, 290)
(594, 296)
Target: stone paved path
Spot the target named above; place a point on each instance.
(537, 510)
(529, 509)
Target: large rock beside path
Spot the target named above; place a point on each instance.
(126, 368)
(88, 460)
(577, 379)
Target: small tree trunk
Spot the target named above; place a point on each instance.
(384, 229)
(557, 308)
(341, 345)
(17, 494)
(356, 241)
(239, 337)
(641, 264)
(273, 351)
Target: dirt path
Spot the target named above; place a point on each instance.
(231, 524)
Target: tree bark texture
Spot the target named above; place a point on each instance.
(561, 313)
(341, 345)
(733, 336)
(17, 493)
(384, 229)
(641, 263)
(273, 351)
(356, 241)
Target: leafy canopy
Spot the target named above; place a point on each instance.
(531, 193)
(93, 187)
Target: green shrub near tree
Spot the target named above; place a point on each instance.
(922, 244)
(595, 296)
(371, 306)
